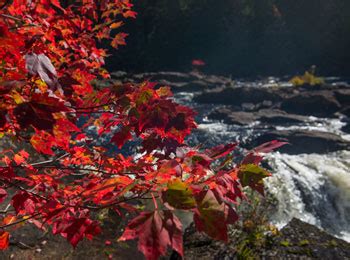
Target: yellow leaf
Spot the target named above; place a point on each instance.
(179, 195)
(17, 97)
(116, 25)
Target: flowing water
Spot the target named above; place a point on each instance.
(312, 187)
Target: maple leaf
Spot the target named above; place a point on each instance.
(119, 39)
(179, 195)
(26, 116)
(39, 111)
(198, 62)
(3, 195)
(220, 150)
(75, 229)
(121, 137)
(227, 189)
(4, 240)
(210, 216)
(155, 231)
(252, 175)
(128, 14)
(42, 66)
(269, 146)
(9, 219)
(24, 202)
(18, 159)
(43, 142)
(252, 158)
(116, 25)
(6, 173)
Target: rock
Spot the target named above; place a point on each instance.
(194, 86)
(266, 116)
(303, 141)
(187, 82)
(248, 107)
(345, 111)
(297, 240)
(168, 76)
(233, 118)
(343, 96)
(118, 74)
(321, 104)
(346, 128)
(278, 117)
(303, 238)
(238, 96)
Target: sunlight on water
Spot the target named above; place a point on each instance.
(314, 188)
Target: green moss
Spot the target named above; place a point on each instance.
(304, 242)
(285, 243)
(332, 243)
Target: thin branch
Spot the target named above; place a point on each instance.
(50, 161)
(23, 189)
(11, 17)
(20, 221)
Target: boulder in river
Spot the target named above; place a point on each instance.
(321, 103)
(303, 141)
(238, 95)
(343, 96)
(265, 116)
(233, 118)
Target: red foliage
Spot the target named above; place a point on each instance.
(198, 63)
(49, 61)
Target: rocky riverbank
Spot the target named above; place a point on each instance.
(297, 240)
(268, 104)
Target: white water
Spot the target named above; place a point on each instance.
(314, 188)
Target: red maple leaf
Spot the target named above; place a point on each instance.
(155, 231)
(4, 240)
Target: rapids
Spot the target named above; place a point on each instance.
(312, 187)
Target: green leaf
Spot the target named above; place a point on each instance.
(252, 175)
(210, 216)
(179, 195)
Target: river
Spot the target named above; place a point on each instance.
(312, 187)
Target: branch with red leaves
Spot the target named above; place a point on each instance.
(60, 173)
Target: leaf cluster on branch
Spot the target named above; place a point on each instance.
(59, 176)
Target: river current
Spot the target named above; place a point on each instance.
(312, 187)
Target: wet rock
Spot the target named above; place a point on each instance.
(303, 141)
(305, 239)
(178, 81)
(321, 104)
(345, 111)
(343, 96)
(248, 107)
(346, 128)
(234, 118)
(164, 75)
(194, 86)
(119, 74)
(297, 240)
(238, 96)
(265, 116)
(278, 117)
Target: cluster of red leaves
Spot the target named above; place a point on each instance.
(60, 177)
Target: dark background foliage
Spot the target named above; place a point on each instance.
(241, 38)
